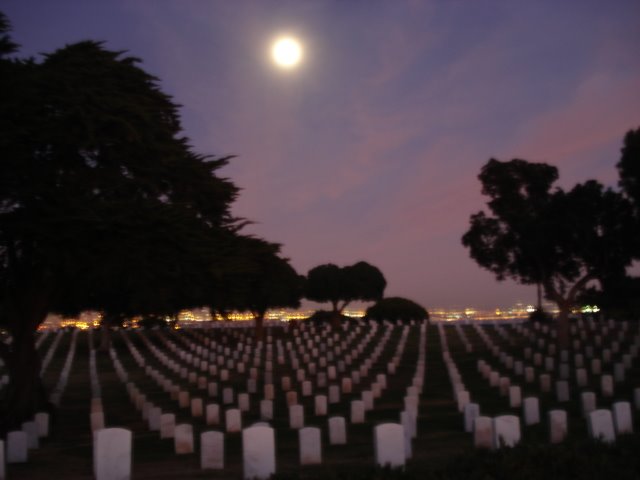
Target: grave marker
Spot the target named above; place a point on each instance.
(112, 454)
(310, 442)
(212, 450)
(390, 445)
(258, 452)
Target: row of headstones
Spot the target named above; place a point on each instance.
(514, 392)
(183, 434)
(504, 430)
(243, 399)
(112, 451)
(534, 337)
(337, 433)
(296, 413)
(562, 386)
(613, 347)
(61, 385)
(224, 373)
(51, 352)
(331, 371)
(294, 361)
(531, 411)
(42, 337)
(19, 442)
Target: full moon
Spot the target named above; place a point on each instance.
(286, 52)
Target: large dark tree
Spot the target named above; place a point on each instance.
(536, 235)
(103, 204)
(343, 285)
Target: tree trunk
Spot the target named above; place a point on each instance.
(336, 320)
(25, 393)
(335, 315)
(563, 326)
(539, 287)
(259, 328)
(105, 338)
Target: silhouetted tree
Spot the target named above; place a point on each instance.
(103, 204)
(562, 240)
(397, 308)
(264, 280)
(343, 285)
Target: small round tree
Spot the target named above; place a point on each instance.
(397, 308)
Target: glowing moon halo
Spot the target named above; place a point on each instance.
(286, 52)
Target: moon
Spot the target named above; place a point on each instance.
(286, 52)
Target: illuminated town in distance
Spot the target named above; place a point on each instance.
(519, 311)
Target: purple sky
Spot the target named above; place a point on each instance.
(370, 150)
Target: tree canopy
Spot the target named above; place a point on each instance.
(561, 239)
(397, 308)
(260, 280)
(343, 285)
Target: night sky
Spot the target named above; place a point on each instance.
(370, 149)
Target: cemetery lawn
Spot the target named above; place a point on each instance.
(442, 449)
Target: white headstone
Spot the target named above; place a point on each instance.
(212, 450)
(471, 411)
(606, 385)
(42, 421)
(601, 425)
(562, 391)
(463, 398)
(531, 408)
(243, 402)
(167, 425)
(622, 417)
(310, 445)
(320, 404)
(588, 401)
(483, 432)
(506, 431)
(390, 445)
(97, 420)
(545, 382)
(357, 411)
(557, 426)
(233, 420)
(183, 438)
(112, 454)
(212, 414)
(258, 452)
(296, 416)
(16, 447)
(183, 399)
(196, 407)
(227, 395)
(266, 409)
(334, 394)
(337, 431)
(31, 429)
(515, 396)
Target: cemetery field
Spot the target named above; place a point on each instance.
(455, 393)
